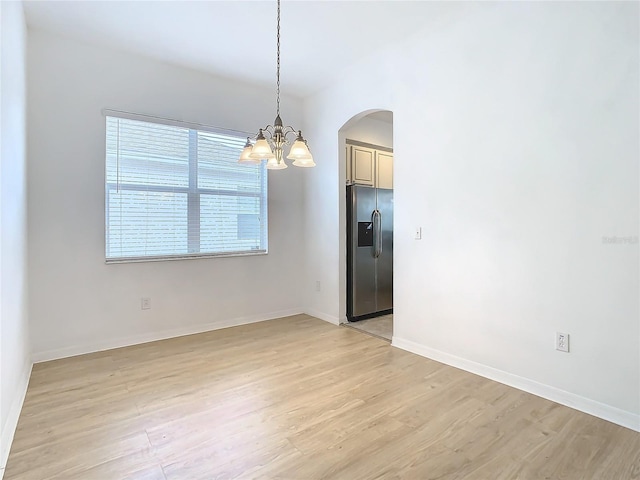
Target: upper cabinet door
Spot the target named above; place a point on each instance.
(363, 165)
(384, 169)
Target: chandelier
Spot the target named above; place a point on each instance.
(271, 140)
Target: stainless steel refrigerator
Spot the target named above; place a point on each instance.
(369, 252)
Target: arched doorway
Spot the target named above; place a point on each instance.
(366, 141)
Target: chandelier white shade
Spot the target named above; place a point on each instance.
(261, 150)
(245, 156)
(270, 147)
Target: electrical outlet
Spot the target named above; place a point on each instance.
(145, 303)
(317, 285)
(562, 342)
(418, 233)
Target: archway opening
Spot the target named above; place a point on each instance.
(366, 147)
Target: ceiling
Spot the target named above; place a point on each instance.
(236, 39)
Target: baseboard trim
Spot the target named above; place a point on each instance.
(59, 353)
(577, 402)
(322, 316)
(9, 428)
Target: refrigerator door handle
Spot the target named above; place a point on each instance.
(374, 231)
(379, 233)
(376, 218)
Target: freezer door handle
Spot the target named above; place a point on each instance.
(376, 219)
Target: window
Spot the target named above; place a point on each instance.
(176, 190)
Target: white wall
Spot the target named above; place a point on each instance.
(15, 360)
(79, 304)
(369, 130)
(516, 149)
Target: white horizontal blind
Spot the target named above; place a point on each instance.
(175, 191)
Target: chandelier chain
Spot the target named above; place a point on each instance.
(278, 63)
(271, 146)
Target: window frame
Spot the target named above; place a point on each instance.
(193, 192)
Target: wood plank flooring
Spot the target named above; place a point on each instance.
(297, 398)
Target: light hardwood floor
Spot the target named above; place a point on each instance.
(297, 398)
